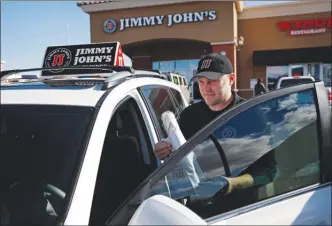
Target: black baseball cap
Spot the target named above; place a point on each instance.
(213, 66)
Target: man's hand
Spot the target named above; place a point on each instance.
(162, 150)
(238, 183)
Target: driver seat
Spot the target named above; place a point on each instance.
(118, 172)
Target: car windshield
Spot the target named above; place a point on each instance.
(294, 82)
(39, 148)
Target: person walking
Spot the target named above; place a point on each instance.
(259, 87)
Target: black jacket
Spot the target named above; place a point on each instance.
(259, 89)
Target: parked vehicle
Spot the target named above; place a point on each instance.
(293, 81)
(297, 80)
(181, 81)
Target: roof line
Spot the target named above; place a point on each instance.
(285, 4)
(238, 3)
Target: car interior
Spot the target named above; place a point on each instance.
(127, 159)
(36, 167)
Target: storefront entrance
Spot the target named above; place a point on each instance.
(168, 55)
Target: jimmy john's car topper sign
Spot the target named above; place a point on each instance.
(110, 25)
(87, 55)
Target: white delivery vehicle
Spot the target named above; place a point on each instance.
(327, 79)
(77, 149)
(297, 80)
(181, 81)
(293, 81)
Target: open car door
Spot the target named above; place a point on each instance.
(161, 210)
(266, 161)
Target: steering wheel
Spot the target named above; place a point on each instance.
(47, 187)
(31, 202)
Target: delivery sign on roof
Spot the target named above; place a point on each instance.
(86, 55)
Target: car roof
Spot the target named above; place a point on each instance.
(47, 92)
(37, 94)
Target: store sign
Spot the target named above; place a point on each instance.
(305, 27)
(86, 55)
(111, 25)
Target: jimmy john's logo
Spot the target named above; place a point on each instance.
(228, 132)
(60, 57)
(109, 26)
(100, 55)
(94, 55)
(170, 20)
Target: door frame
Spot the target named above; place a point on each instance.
(324, 126)
(79, 209)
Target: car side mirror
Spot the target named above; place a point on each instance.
(161, 210)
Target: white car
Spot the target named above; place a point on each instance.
(293, 81)
(78, 150)
(297, 80)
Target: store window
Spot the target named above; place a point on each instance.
(273, 73)
(297, 70)
(327, 74)
(314, 70)
(183, 67)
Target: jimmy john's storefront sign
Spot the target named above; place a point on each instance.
(170, 20)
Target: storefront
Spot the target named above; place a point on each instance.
(265, 41)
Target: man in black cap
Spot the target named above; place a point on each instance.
(215, 78)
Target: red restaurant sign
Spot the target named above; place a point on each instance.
(306, 27)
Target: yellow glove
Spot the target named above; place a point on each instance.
(238, 183)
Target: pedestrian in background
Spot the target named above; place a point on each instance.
(259, 87)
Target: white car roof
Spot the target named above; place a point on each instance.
(41, 94)
(299, 77)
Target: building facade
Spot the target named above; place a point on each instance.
(261, 41)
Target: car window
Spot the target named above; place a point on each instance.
(184, 81)
(40, 147)
(180, 79)
(127, 159)
(265, 151)
(176, 80)
(180, 105)
(159, 100)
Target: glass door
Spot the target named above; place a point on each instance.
(316, 70)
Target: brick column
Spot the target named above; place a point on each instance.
(230, 50)
(142, 62)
